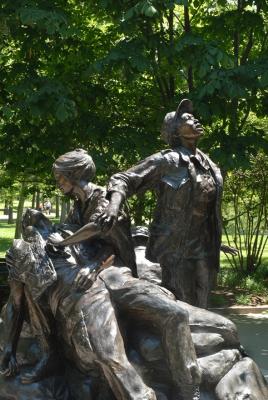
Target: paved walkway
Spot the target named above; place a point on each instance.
(263, 310)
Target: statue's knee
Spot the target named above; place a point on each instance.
(181, 315)
(109, 357)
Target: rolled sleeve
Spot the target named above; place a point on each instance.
(143, 176)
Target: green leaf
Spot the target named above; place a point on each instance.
(51, 21)
(203, 70)
(129, 14)
(7, 112)
(65, 109)
(181, 2)
(264, 80)
(150, 11)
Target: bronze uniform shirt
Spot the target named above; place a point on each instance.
(178, 184)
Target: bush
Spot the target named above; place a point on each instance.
(243, 299)
(245, 214)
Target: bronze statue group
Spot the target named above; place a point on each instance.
(73, 281)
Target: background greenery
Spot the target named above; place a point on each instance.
(102, 74)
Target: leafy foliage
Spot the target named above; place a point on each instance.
(246, 212)
(102, 74)
(215, 53)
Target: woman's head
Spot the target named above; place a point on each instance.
(75, 166)
(181, 124)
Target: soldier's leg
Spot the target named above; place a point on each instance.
(148, 302)
(97, 337)
(42, 327)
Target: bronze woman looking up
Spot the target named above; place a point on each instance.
(185, 234)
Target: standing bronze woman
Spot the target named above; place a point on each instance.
(185, 235)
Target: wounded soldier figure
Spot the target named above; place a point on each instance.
(74, 281)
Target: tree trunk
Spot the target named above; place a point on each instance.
(63, 210)
(187, 29)
(6, 207)
(37, 204)
(10, 215)
(57, 207)
(33, 199)
(171, 43)
(20, 210)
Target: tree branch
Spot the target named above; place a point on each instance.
(187, 29)
(247, 49)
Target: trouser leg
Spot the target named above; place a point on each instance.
(148, 302)
(179, 278)
(202, 283)
(40, 320)
(179, 348)
(169, 281)
(98, 333)
(188, 280)
(42, 328)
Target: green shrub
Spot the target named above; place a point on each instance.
(243, 299)
(254, 286)
(228, 278)
(245, 211)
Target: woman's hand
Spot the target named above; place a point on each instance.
(229, 250)
(108, 218)
(55, 239)
(85, 278)
(54, 244)
(9, 365)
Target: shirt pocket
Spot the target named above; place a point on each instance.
(176, 179)
(175, 190)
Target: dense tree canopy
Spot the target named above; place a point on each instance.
(214, 52)
(102, 74)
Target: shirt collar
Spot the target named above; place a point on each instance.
(198, 158)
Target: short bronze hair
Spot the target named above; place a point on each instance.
(76, 165)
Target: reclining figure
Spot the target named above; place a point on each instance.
(71, 291)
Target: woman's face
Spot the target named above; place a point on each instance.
(64, 184)
(189, 127)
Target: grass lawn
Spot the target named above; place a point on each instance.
(7, 232)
